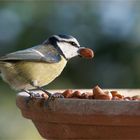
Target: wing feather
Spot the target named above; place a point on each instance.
(38, 53)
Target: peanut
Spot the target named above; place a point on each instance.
(98, 93)
(67, 93)
(116, 94)
(86, 52)
(84, 96)
(76, 94)
(136, 97)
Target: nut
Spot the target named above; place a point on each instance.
(116, 98)
(45, 96)
(97, 90)
(76, 94)
(127, 98)
(89, 95)
(136, 97)
(108, 93)
(86, 52)
(84, 96)
(116, 94)
(98, 93)
(67, 93)
(102, 97)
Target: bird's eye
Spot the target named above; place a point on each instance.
(73, 43)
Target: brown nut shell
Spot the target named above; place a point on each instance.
(76, 94)
(116, 98)
(86, 53)
(127, 98)
(117, 94)
(98, 93)
(97, 90)
(102, 97)
(136, 97)
(84, 96)
(67, 93)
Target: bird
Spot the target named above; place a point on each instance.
(35, 67)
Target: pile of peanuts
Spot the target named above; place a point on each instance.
(99, 94)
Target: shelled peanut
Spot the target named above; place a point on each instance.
(98, 94)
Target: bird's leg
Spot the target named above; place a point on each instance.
(45, 91)
(50, 95)
(35, 84)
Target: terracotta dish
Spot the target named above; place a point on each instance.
(83, 119)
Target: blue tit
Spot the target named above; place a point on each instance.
(36, 67)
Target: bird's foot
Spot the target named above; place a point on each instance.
(32, 94)
(52, 97)
(55, 95)
(45, 91)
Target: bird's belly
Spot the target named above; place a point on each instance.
(39, 72)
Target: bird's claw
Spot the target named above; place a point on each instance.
(52, 97)
(55, 95)
(32, 94)
(36, 95)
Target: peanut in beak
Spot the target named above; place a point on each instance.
(86, 53)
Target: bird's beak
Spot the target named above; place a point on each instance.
(86, 52)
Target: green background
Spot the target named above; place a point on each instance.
(110, 27)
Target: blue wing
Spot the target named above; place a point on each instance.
(46, 53)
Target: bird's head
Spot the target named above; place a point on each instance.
(67, 45)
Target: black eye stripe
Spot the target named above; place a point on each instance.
(73, 43)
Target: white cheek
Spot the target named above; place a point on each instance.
(68, 50)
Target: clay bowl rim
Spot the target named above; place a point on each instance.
(85, 106)
(126, 92)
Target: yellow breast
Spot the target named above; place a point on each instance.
(21, 74)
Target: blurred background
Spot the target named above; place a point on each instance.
(110, 27)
